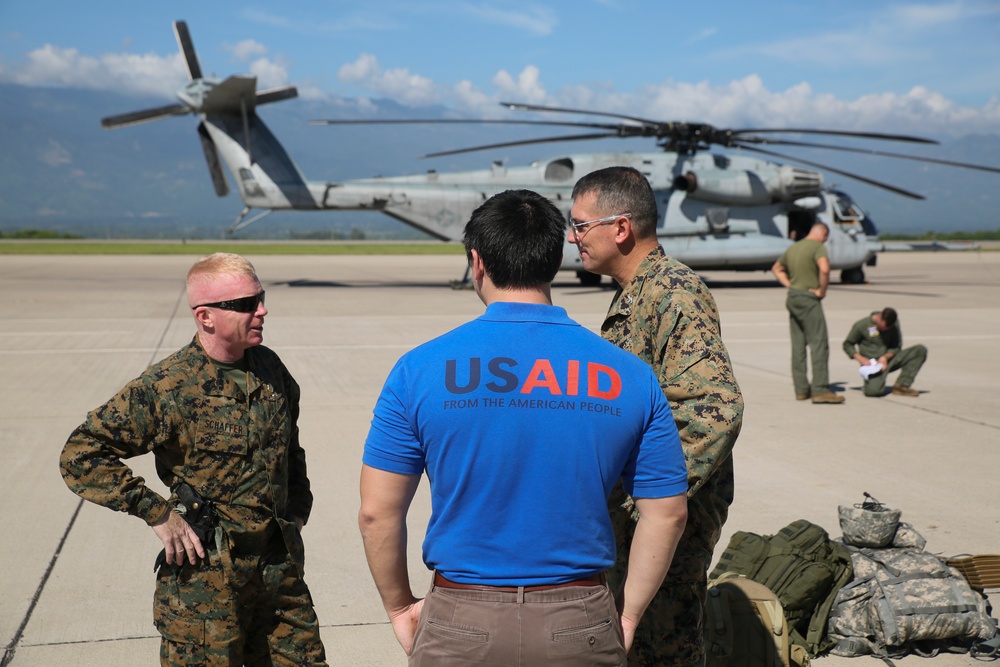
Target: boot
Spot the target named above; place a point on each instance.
(827, 397)
(900, 390)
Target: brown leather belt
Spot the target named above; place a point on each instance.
(595, 580)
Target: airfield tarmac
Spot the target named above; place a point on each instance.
(77, 579)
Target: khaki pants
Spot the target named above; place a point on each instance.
(575, 626)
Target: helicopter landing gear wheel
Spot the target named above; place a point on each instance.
(588, 279)
(855, 276)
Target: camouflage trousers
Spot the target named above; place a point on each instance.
(267, 621)
(671, 631)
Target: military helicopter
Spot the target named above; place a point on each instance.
(729, 212)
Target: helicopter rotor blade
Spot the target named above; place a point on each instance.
(685, 137)
(277, 94)
(187, 49)
(872, 151)
(143, 116)
(459, 121)
(536, 107)
(523, 142)
(835, 133)
(857, 177)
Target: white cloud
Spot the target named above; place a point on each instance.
(55, 155)
(468, 97)
(398, 83)
(526, 88)
(536, 20)
(269, 73)
(369, 19)
(144, 74)
(748, 102)
(247, 49)
(702, 35)
(361, 70)
(313, 93)
(898, 34)
(926, 16)
(744, 102)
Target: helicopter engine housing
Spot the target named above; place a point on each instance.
(750, 188)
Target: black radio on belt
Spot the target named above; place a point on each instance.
(200, 515)
(198, 512)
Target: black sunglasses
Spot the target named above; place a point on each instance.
(246, 304)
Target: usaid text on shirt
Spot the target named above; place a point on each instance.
(536, 388)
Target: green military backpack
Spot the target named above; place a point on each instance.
(802, 566)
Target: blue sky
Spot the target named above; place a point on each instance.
(931, 68)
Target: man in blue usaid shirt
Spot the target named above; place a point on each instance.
(524, 421)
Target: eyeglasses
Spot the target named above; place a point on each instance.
(246, 304)
(578, 227)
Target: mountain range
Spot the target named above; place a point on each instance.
(60, 171)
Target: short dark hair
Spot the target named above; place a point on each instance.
(622, 190)
(889, 316)
(519, 235)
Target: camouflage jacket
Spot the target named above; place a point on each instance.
(240, 451)
(668, 318)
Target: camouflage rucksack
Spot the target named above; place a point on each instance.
(804, 568)
(745, 626)
(905, 600)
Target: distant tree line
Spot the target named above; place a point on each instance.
(359, 235)
(328, 235)
(37, 234)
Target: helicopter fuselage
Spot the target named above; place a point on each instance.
(716, 211)
(729, 212)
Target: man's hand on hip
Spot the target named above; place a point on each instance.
(178, 539)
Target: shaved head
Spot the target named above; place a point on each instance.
(203, 284)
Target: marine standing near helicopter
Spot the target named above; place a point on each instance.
(220, 418)
(664, 314)
(805, 270)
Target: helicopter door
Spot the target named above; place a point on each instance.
(799, 223)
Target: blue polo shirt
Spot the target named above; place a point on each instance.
(524, 421)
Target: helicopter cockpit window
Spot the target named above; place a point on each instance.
(559, 170)
(845, 212)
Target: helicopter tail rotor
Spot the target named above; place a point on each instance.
(235, 96)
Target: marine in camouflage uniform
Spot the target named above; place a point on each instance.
(669, 319)
(664, 314)
(230, 432)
